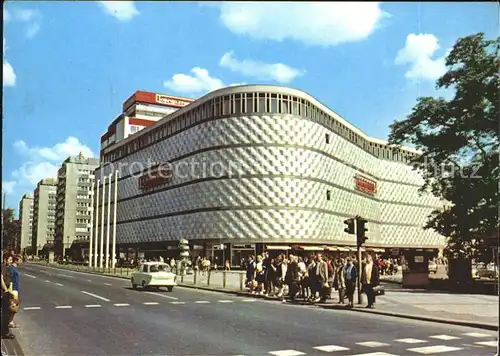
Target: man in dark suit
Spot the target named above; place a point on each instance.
(351, 275)
(370, 277)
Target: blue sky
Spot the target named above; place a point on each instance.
(68, 66)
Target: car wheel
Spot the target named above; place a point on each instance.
(134, 286)
(143, 284)
(170, 288)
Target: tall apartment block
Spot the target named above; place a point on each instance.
(26, 218)
(44, 213)
(74, 196)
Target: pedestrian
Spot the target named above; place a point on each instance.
(311, 271)
(321, 278)
(260, 275)
(250, 273)
(14, 274)
(6, 297)
(339, 281)
(370, 277)
(350, 281)
(292, 277)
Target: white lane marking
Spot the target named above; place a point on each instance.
(177, 302)
(445, 337)
(29, 275)
(375, 354)
(92, 306)
(435, 349)
(372, 344)
(63, 307)
(411, 341)
(95, 296)
(59, 284)
(226, 301)
(202, 302)
(331, 348)
(121, 305)
(477, 335)
(150, 303)
(47, 281)
(492, 343)
(286, 353)
(163, 296)
(89, 280)
(64, 275)
(249, 300)
(108, 284)
(32, 308)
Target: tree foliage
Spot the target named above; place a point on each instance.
(11, 230)
(459, 139)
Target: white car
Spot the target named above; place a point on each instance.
(153, 274)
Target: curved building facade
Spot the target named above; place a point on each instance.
(261, 164)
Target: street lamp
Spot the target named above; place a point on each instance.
(115, 203)
(101, 244)
(91, 237)
(96, 219)
(108, 220)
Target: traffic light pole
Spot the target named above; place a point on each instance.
(360, 266)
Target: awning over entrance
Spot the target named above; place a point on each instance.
(340, 248)
(277, 248)
(312, 248)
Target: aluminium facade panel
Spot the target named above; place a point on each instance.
(282, 167)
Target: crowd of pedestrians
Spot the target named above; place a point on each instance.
(10, 293)
(312, 278)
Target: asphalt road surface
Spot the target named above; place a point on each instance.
(72, 313)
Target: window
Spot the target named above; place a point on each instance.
(295, 107)
(237, 104)
(225, 106)
(249, 104)
(327, 138)
(262, 103)
(328, 195)
(274, 104)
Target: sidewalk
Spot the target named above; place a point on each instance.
(460, 309)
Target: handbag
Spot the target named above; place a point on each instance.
(379, 290)
(14, 305)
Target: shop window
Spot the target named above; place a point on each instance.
(262, 102)
(274, 104)
(249, 104)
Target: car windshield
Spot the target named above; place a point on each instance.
(159, 268)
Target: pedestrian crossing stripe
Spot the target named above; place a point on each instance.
(492, 343)
(410, 341)
(331, 348)
(435, 349)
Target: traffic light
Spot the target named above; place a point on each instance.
(350, 226)
(361, 231)
(184, 248)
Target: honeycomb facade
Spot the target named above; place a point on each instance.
(265, 164)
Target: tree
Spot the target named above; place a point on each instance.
(459, 139)
(11, 230)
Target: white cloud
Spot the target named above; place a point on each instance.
(278, 72)
(32, 30)
(122, 10)
(29, 16)
(418, 52)
(9, 76)
(8, 186)
(43, 162)
(26, 14)
(316, 23)
(200, 82)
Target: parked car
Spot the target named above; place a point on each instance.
(153, 274)
(481, 270)
(433, 267)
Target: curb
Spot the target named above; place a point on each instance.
(472, 324)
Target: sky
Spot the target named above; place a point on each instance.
(68, 66)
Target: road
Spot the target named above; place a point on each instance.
(71, 313)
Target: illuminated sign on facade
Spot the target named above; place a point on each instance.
(365, 184)
(168, 100)
(154, 177)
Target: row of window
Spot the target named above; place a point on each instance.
(249, 103)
